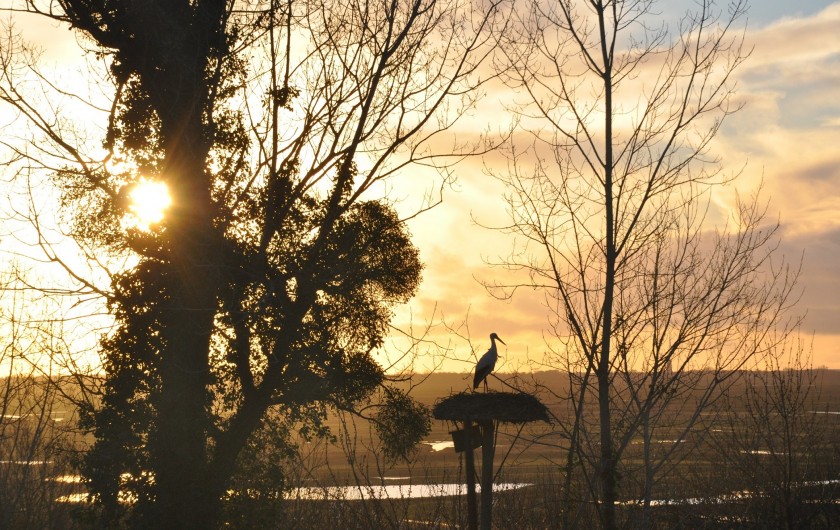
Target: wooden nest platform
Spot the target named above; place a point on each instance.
(505, 407)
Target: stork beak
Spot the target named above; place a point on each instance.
(500, 340)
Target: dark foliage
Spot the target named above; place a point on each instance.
(401, 423)
(498, 406)
(270, 297)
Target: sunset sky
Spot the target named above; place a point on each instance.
(787, 135)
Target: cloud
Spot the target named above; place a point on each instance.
(820, 251)
(790, 125)
(786, 137)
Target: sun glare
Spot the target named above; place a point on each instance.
(148, 201)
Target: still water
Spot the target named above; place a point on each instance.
(355, 493)
(390, 491)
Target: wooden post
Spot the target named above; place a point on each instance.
(488, 449)
(479, 412)
(472, 508)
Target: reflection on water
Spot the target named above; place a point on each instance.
(391, 491)
(56, 416)
(66, 479)
(417, 491)
(73, 498)
(440, 445)
(355, 493)
(725, 498)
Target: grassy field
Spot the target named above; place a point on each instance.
(719, 475)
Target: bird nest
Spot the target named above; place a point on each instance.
(499, 406)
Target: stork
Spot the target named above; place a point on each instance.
(487, 362)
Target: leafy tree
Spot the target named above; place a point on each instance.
(269, 282)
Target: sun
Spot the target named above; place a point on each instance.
(148, 201)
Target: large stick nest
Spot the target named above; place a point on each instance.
(499, 406)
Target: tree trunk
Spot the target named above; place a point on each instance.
(608, 464)
(608, 461)
(571, 456)
(179, 450)
(228, 446)
(648, 462)
(469, 458)
(180, 454)
(488, 450)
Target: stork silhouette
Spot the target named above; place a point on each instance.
(487, 362)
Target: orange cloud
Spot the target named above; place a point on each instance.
(787, 135)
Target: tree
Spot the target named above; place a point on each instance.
(269, 282)
(36, 440)
(775, 440)
(653, 310)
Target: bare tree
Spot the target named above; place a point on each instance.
(269, 282)
(653, 310)
(775, 438)
(37, 434)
